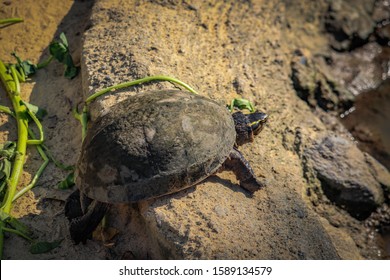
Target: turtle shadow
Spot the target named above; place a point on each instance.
(214, 179)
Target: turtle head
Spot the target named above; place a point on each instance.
(248, 125)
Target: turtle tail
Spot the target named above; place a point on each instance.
(82, 224)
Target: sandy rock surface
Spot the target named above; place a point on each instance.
(222, 56)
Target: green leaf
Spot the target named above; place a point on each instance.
(37, 111)
(7, 153)
(19, 226)
(28, 67)
(67, 183)
(8, 150)
(60, 51)
(5, 169)
(64, 40)
(71, 71)
(44, 246)
(3, 184)
(15, 224)
(241, 104)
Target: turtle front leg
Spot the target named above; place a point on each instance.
(243, 171)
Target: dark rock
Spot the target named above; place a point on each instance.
(381, 15)
(315, 85)
(383, 34)
(345, 177)
(381, 174)
(350, 23)
(333, 81)
(358, 71)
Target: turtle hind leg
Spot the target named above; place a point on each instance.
(73, 207)
(243, 171)
(82, 227)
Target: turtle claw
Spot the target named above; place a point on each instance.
(251, 184)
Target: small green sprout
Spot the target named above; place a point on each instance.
(241, 104)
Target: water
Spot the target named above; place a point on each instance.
(386, 245)
(369, 122)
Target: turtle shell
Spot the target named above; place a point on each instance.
(152, 144)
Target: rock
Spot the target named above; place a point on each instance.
(344, 244)
(381, 174)
(315, 84)
(345, 177)
(350, 23)
(381, 15)
(332, 81)
(221, 55)
(383, 34)
(358, 71)
(250, 228)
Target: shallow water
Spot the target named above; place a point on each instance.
(386, 240)
(369, 122)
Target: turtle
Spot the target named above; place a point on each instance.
(153, 144)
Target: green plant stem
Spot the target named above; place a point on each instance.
(36, 176)
(19, 74)
(38, 173)
(40, 149)
(137, 82)
(38, 124)
(45, 62)
(11, 84)
(2, 226)
(56, 162)
(84, 122)
(11, 230)
(83, 117)
(10, 20)
(6, 110)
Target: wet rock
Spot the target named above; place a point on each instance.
(381, 15)
(332, 81)
(350, 23)
(345, 177)
(317, 86)
(383, 34)
(381, 174)
(378, 225)
(369, 122)
(380, 220)
(360, 70)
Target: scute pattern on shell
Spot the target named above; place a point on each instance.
(153, 144)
